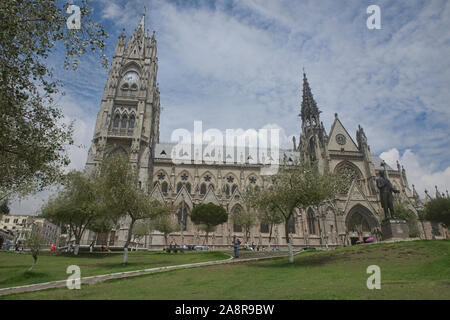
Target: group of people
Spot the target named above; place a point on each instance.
(18, 245)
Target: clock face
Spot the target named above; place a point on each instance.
(131, 77)
(340, 138)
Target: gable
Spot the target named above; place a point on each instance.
(337, 129)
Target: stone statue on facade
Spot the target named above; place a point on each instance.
(387, 200)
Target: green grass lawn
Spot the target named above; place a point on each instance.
(53, 267)
(409, 270)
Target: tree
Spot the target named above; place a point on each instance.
(403, 212)
(438, 210)
(122, 198)
(76, 205)
(102, 223)
(33, 138)
(142, 229)
(34, 242)
(208, 216)
(299, 186)
(272, 218)
(166, 224)
(245, 218)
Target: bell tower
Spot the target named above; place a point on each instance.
(128, 120)
(313, 138)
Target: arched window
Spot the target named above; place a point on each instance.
(131, 122)
(236, 211)
(203, 189)
(164, 187)
(227, 190)
(233, 188)
(264, 228)
(179, 186)
(116, 121)
(124, 121)
(188, 187)
(292, 224)
(311, 224)
(211, 186)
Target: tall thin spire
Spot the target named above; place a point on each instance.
(309, 111)
(142, 23)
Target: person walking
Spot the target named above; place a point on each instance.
(236, 247)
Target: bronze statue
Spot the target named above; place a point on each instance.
(387, 200)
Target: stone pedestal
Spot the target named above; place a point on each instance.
(394, 229)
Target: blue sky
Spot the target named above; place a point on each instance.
(237, 64)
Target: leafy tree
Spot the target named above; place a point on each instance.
(208, 216)
(76, 205)
(102, 223)
(34, 242)
(272, 218)
(438, 210)
(122, 198)
(299, 186)
(142, 229)
(32, 136)
(403, 212)
(247, 216)
(166, 224)
(247, 219)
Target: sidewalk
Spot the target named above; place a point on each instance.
(127, 274)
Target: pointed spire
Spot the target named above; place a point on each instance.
(309, 111)
(142, 23)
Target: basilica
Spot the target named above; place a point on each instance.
(129, 122)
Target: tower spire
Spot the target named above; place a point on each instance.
(309, 111)
(142, 23)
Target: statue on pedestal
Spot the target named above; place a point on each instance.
(387, 200)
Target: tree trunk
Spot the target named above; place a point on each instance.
(270, 236)
(288, 241)
(125, 255)
(127, 243)
(77, 246)
(206, 239)
(34, 263)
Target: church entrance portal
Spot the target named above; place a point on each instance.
(361, 224)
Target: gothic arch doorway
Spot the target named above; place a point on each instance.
(361, 224)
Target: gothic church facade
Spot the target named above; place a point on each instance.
(128, 123)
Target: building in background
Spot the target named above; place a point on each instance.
(18, 226)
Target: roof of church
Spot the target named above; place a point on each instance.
(225, 153)
(377, 161)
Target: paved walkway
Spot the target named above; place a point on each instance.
(127, 274)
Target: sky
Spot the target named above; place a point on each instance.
(238, 64)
